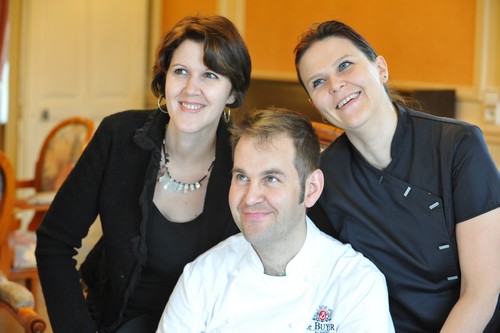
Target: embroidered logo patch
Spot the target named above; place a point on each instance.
(322, 320)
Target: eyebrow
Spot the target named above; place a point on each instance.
(273, 171)
(334, 64)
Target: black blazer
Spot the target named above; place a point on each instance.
(115, 180)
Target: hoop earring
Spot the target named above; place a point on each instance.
(227, 115)
(159, 104)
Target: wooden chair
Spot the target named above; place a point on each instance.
(7, 219)
(60, 151)
(327, 133)
(19, 303)
(9, 231)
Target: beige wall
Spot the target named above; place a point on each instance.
(423, 41)
(418, 43)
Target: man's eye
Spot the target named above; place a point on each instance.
(344, 65)
(241, 177)
(271, 179)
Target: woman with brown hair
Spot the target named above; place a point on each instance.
(159, 182)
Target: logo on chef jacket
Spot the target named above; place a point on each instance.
(322, 320)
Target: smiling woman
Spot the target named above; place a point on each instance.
(157, 179)
(397, 187)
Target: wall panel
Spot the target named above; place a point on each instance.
(174, 10)
(423, 41)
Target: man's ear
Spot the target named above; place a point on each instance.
(314, 187)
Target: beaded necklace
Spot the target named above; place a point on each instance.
(175, 185)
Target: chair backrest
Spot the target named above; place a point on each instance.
(60, 151)
(327, 133)
(7, 198)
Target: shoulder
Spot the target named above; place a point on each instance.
(127, 118)
(340, 150)
(343, 257)
(424, 123)
(222, 257)
(144, 127)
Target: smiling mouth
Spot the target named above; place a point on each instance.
(255, 215)
(347, 99)
(193, 107)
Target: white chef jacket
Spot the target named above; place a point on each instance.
(328, 287)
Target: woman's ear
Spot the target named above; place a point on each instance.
(231, 99)
(314, 187)
(382, 68)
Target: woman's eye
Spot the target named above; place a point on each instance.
(211, 75)
(180, 71)
(317, 82)
(344, 65)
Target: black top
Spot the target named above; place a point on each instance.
(403, 218)
(170, 246)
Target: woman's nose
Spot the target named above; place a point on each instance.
(336, 84)
(192, 85)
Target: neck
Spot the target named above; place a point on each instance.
(276, 256)
(190, 147)
(374, 143)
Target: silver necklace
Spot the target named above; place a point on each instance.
(175, 185)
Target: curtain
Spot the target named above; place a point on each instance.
(4, 10)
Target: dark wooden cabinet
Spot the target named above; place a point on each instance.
(291, 95)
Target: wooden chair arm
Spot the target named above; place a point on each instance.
(327, 133)
(31, 321)
(25, 205)
(19, 302)
(25, 183)
(27, 318)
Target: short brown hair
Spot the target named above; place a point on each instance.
(225, 52)
(265, 124)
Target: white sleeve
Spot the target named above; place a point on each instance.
(370, 312)
(183, 312)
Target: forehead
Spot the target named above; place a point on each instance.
(189, 48)
(327, 50)
(278, 151)
(332, 45)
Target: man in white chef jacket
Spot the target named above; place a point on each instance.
(281, 273)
